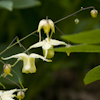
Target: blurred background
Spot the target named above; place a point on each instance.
(63, 78)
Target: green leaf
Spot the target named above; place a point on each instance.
(7, 5)
(79, 48)
(92, 76)
(21, 4)
(89, 37)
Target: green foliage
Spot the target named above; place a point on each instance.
(22, 4)
(79, 48)
(86, 38)
(18, 4)
(93, 75)
(7, 5)
(89, 37)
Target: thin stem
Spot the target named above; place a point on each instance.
(18, 42)
(15, 63)
(18, 78)
(27, 50)
(12, 41)
(17, 38)
(51, 34)
(2, 61)
(24, 48)
(59, 30)
(73, 14)
(38, 36)
(13, 82)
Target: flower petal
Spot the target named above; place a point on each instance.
(47, 45)
(52, 25)
(20, 55)
(29, 65)
(38, 44)
(39, 56)
(41, 23)
(10, 91)
(56, 42)
(8, 95)
(46, 52)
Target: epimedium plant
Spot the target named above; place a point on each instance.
(47, 45)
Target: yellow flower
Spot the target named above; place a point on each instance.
(46, 45)
(28, 61)
(46, 24)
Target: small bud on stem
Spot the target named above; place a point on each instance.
(94, 13)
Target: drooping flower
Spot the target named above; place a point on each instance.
(46, 24)
(28, 61)
(46, 45)
(20, 95)
(7, 95)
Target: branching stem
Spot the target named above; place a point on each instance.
(73, 14)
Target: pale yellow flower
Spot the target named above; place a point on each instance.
(46, 24)
(28, 61)
(7, 95)
(46, 45)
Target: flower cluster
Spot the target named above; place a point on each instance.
(47, 45)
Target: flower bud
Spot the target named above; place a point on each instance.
(7, 69)
(94, 13)
(46, 25)
(50, 53)
(68, 53)
(76, 21)
(20, 95)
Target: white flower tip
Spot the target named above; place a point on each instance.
(10, 74)
(48, 60)
(68, 53)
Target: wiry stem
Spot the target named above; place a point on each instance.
(73, 14)
(18, 42)
(2, 61)
(59, 30)
(13, 82)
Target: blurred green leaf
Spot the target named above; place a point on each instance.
(92, 75)
(21, 4)
(79, 48)
(89, 37)
(7, 5)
